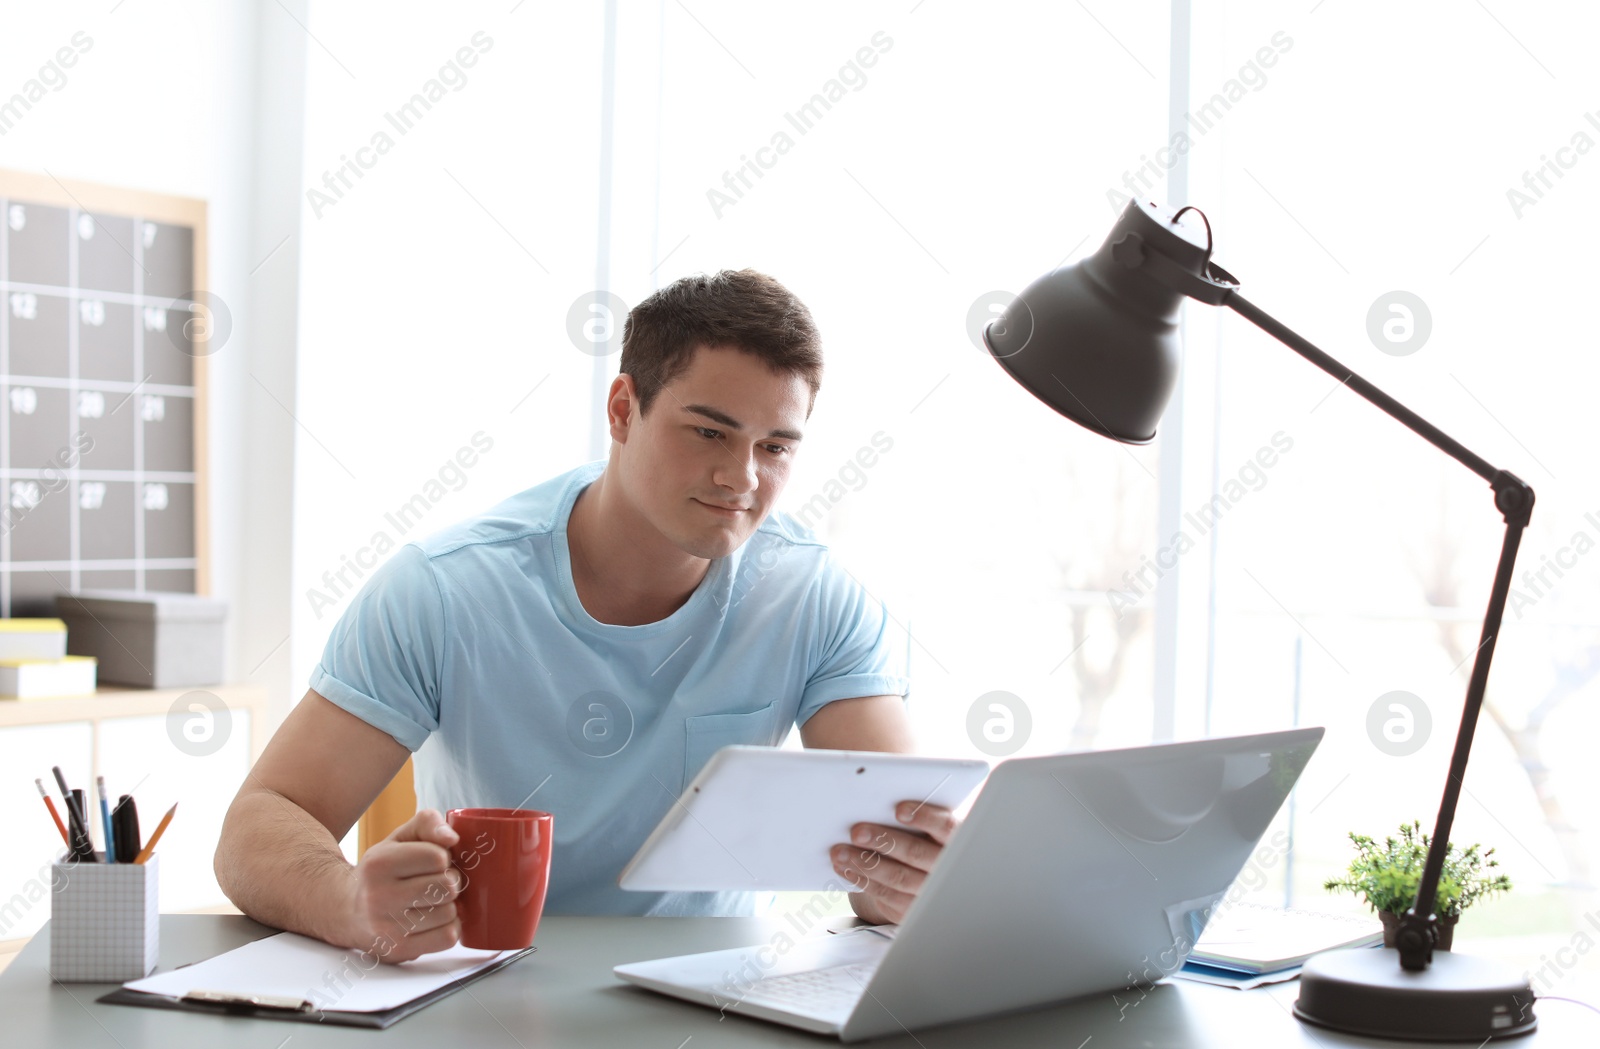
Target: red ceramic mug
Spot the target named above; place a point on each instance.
(504, 859)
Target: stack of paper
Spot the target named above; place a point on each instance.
(47, 678)
(33, 638)
(1247, 944)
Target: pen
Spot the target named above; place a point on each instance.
(161, 828)
(80, 803)
(78, 842)
(62, 827)
(105, 820)
(125, 820)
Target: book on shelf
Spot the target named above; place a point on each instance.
(1255, 938)
(47, 678)
(33, 638)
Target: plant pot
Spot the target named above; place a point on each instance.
(1391, 927)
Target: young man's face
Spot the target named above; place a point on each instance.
(709, 459)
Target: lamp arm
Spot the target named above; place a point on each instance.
(1417, 933)
(1514, 498)
(1412, 421)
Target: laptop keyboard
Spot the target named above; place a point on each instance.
(817, 990)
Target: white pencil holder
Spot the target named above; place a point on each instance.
(105, 921)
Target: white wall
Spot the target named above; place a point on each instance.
(198, 100)
(205, 101)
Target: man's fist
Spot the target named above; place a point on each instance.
(404, 904)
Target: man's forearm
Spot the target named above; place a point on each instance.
(283, 868)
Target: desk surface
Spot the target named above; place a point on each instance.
(565, 995)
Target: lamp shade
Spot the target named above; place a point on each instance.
(1098, 340)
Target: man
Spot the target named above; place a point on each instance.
(584, 648)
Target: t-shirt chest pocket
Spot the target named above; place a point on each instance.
(705, 734)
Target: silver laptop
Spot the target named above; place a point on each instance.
(1074, 874)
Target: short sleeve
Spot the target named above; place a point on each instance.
(383, 659)
(862, 652)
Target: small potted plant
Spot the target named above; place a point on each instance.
(1387, 876)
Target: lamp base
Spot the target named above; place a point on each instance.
(1458, 998)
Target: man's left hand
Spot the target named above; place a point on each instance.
(893, 862)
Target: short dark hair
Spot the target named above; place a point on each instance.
(742, 309)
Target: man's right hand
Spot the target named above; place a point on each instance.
(405, 890)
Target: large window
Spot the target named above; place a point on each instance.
(903, 169)
(1407, 185)
(451, 193)
(1403, 186)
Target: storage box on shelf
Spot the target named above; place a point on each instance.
(146, 638)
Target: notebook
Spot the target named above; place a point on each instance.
(1255, 938)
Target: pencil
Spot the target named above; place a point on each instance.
(161, 828)
(62, 827)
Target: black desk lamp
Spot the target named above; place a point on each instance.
(1098, 342)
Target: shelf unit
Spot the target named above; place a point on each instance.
(109, 703)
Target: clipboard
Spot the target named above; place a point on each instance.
(296, 1009)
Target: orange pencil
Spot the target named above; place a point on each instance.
(150, 846)
(62, 827)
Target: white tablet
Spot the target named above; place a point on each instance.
(765, 818)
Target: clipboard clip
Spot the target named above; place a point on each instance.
(246, 1002)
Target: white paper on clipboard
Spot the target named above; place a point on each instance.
(760, 818)
(288, 965)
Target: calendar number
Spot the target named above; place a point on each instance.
(155, 497)
(25, 305)
(24, 400)
(91, 495)
(25, 495)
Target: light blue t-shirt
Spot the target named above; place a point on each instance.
(472, 649)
